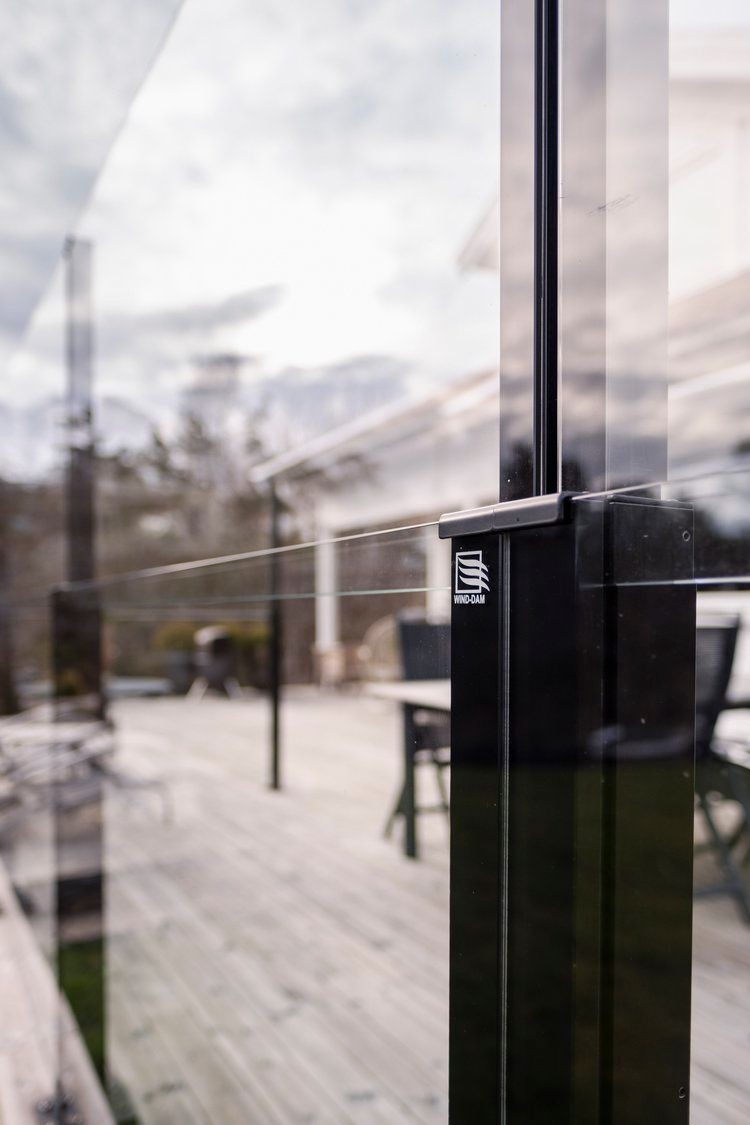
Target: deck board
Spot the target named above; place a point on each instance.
(280, 959)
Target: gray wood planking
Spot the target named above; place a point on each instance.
(289, 962)
(31, 1026)
(273, 959)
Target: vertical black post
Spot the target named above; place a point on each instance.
(545, 437)
(79, 357)
(647, 749)
(477, 841)
(80, 707)
(410, 795)
(8, 696)
(573, 649)
(79, 849)
(81, 470)
(275, 669)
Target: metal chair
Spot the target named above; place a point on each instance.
(722, 766)
(216, 664)
(424, 648)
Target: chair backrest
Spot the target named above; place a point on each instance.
(425, 647)
(716, 643)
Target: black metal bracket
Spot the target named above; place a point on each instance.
(533, 511)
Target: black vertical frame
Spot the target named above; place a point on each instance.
(545, 470)
(275, 640)
(80, 709)
(573, 672)
(571, 817)
(518, 143)
(477, 851)
(9, 702)
(80, 534)
(78, 800)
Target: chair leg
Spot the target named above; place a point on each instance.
(444, 799)
(737, 784)
(442, 790)
(397, 810)
(734, 884)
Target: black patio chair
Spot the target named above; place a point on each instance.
(424, 648)
(722, 765)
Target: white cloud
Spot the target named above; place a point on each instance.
(338, 150)
(67, 75)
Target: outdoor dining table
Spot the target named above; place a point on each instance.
(413, 696)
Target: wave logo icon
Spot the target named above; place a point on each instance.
(472, 575)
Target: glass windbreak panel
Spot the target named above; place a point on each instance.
(709, 428)
(655, 400)
(709, 345)
(613, 243)
(663, 589)
(278, 955)
(273, 323)
(653, 241)
(721, 916)
(293, 267)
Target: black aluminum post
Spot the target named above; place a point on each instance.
(78, 802)
(81, 472)
(545, 471)
(275, 641)
(8, 696)
(79, 704)
(79, 356)
(572, 733)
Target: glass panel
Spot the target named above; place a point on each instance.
(272, 340)
(273, 954)
(292, 303)
(614, 243)
(654, 388)
(708, 353)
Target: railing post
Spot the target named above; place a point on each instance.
(276, 650)
(77, 802)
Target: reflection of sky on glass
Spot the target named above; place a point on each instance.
(294, 184)
(709, 233)
(67, 74)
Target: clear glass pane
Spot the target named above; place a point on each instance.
(273, 953)
(263, 366)
(654, 386)
(708, 351)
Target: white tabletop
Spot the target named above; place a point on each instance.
(432, 694)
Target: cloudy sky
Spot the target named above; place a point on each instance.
(294, 182)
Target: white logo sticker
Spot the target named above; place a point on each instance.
(472, 579)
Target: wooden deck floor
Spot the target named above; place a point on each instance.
(272, 959)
